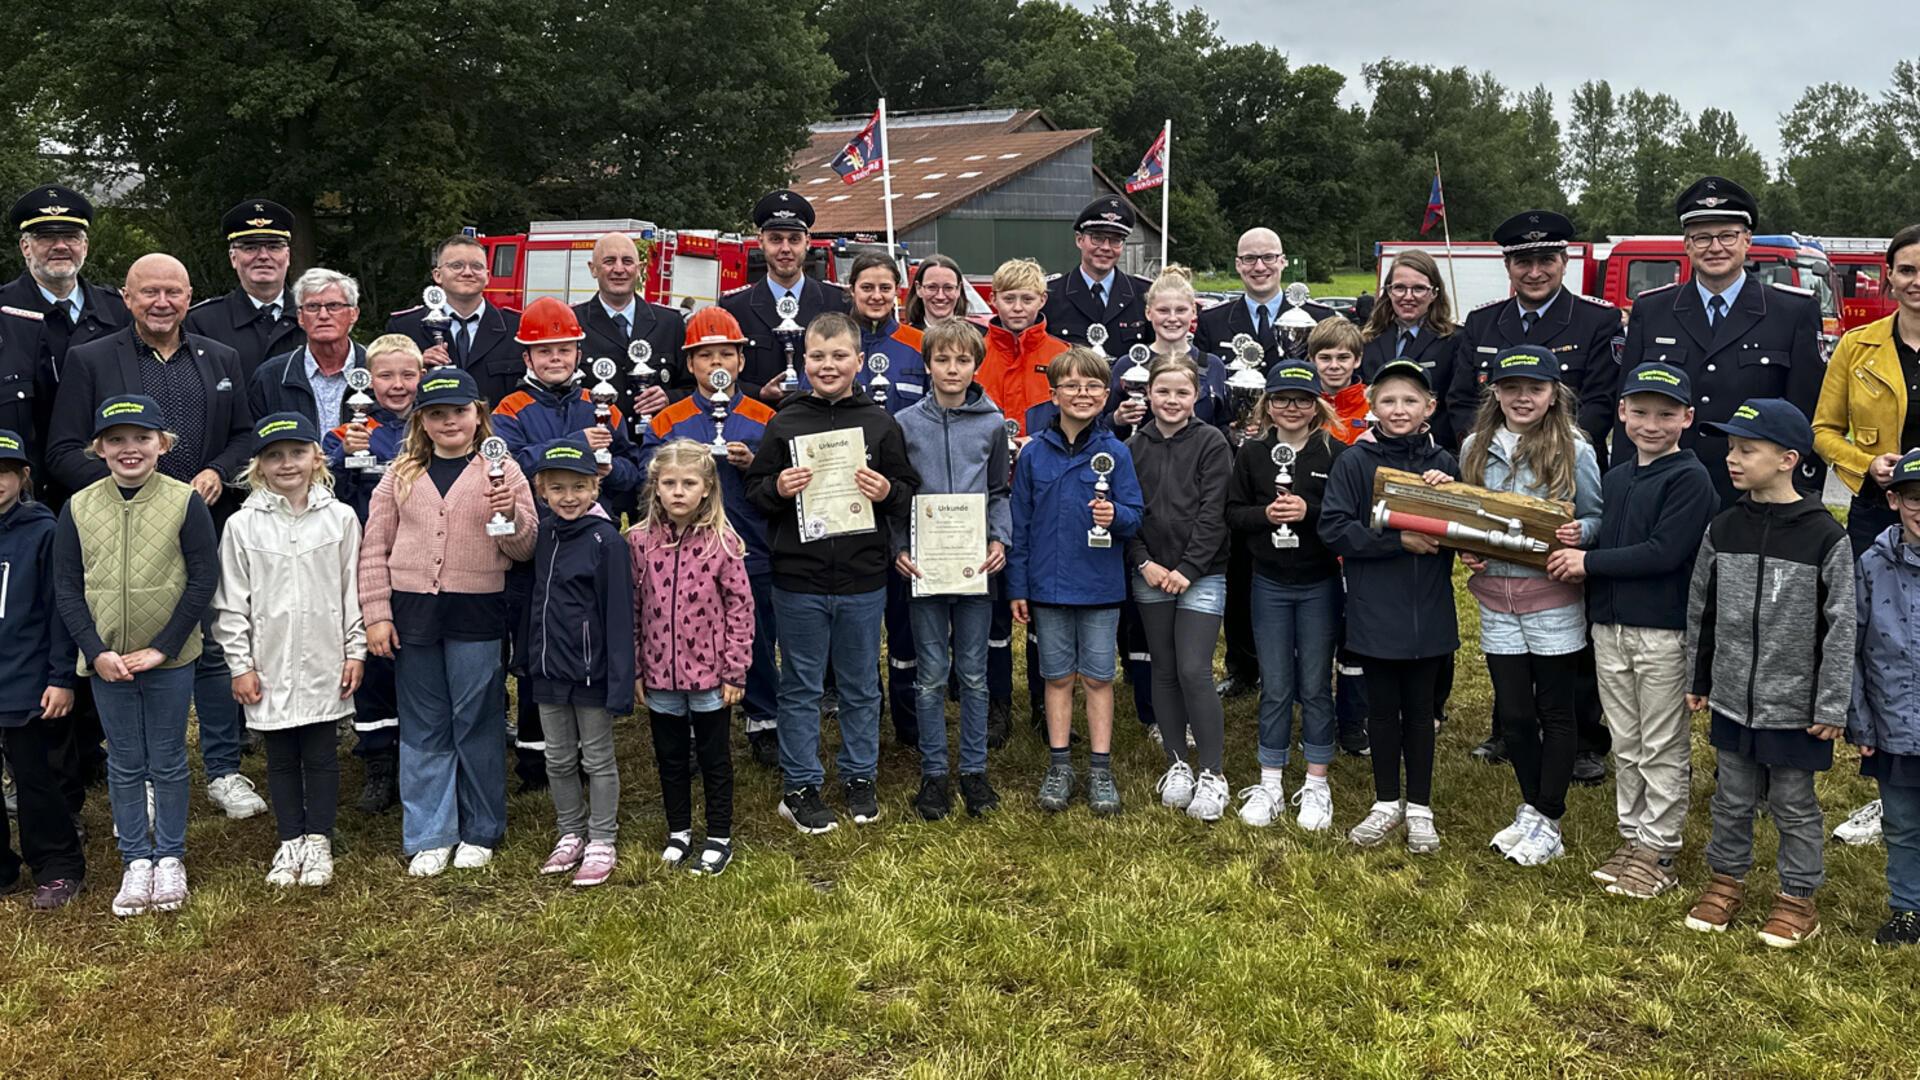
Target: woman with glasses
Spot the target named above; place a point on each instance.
(940, 292)
(1415, 323)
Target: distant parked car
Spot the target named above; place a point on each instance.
(1205, 300)
(1341, 304)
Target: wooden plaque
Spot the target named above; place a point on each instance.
(1477, 508)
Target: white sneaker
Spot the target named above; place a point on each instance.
(1316, 806)
(471, 856)
(1262, 802)
(136, 889)
(169, 885)
(318, 869)
(1379, 824)
(1209, 797)
(429, 863)
(1542, 843)
(1422, 837)
(1861, 827)
(1523, 819)
(235, 796)
(1176, 786)
(287, 861)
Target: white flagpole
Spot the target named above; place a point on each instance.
(1446, 232)
(886, 174)
(1166, 187)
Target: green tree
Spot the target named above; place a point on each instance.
(1596, 162)
(920, 54)
(1847, 161)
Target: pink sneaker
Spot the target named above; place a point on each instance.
(566, 855)
(598, 865)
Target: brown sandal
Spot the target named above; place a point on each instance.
(1609, 872)
(1642, 877)
(1719, 902)
(1793, 920)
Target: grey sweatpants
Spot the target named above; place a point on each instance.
(581, 737)
(1181, 643)
(1742, 786)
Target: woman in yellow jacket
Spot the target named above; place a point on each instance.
(1864, 420)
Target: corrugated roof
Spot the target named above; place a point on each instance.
(937, 164)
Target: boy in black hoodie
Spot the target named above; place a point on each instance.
(829, 592)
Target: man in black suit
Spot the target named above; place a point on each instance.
(202, 393)
(785, 221)
(256, 320)
(1262, 262)
(619, 315)
(477, 336)
(1095, 293)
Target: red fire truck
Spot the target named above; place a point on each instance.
(1860, 262)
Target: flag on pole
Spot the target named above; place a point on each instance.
(1436, 205)
(1153, 168)
(865, 155)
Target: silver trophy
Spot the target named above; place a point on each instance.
(1284, 536)
(878, 386)
(437, 316)
(789, 332)
(720, 381)
(1097, 337)
(1013, 438)
(1244, 347)
(1102, 463)
(494, 449)
(358, 380)
(603, 394)
(1244, 388)
(1291, 329)
(639, 377)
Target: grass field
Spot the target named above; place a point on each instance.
(1021, 945)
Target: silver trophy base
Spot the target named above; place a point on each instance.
(1286, 538)
(1099, 538)
(362, 461)
(603, 457)
(500, 528)
(718, 448)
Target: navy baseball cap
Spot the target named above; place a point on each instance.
(1775, 420)
(136, 409)
(1659, 379)
(446, 386)
(283, 427)
(1294, 375)
(1905, 471)
(569, 453)
(12, 447)
(1526, 362)
(1409, 369)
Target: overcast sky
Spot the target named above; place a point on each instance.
(1653, 45)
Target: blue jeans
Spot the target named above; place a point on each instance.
(1075, 639)
(818, 629)
(762, 704)
(1900, 828)
(145, 721)
(1207, 595)
(685, 702)
(453, 764)
(970, 619)
(222, 730)
(1293, 632)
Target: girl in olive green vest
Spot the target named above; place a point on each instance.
(135, 565)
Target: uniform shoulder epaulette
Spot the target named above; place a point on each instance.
(832, 285)
(23, 313)
(738, 289)
(1491, 303)
(1054, 277)
(1656, 289)
(1794, 289)
(406, 311)
(204, 303)
(1595, 300)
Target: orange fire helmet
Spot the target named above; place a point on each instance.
(713, 325)
(547, 321)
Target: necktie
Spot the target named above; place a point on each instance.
(1406, 339)
(1263, 324)
(1527, 319)
(270, 313)
(463, 338)
(1716, 308)
(1099, 296)
(626, 328)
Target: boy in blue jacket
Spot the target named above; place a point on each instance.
(579, 655)
(36, 693)
(714, 344)
(1067, 572)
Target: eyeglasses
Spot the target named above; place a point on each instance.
(1908, 499)
(1082, 389)
(465, 267)
(1265, 258)
(940, 290)
(331, 307)
(1291, 402)
(1415, 291)
(1705, 241)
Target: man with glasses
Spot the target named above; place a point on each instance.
(785, 221)
(478, 336)
(257, 319)
(1095, 292)
(312, 378)
(1262, 262)
(1736, 336)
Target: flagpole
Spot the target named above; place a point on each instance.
(1446, 232)
(886, 175)
(1166, 186)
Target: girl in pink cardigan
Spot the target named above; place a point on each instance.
(694, 640)
(433, 592)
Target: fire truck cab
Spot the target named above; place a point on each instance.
(1860, 264)
(1633, 264)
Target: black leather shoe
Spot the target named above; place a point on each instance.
(1589, 768)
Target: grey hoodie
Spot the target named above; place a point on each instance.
(960, 451)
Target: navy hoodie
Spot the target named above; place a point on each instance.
(578, 624)
(1399, 605)
(36, 651)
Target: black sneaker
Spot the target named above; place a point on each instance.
(713, 859)
(978, 794)
(999, 723)
(1493, 751)
(381, 788)
(1902, 929)
(804, 808)
(862, 801)
(1589, 767)
(932, 802)
(1355, 743)
(765, 747)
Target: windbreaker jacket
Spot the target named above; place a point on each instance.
(960, 451)
(695, 609)
(1014, 372)
(1052, 484)
(1351, 408)
(36, 651)
(534, 415)
(1399, 605)
(578, 623)
(288, 605)
(1770, 615)
(1183, 488)
(1885, 713)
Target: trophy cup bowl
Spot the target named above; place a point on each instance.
(1244, 388)
(1102, 465)
(1097, 338)
(1291, 331)
(719, 381)
(358, 380)
(494, 450)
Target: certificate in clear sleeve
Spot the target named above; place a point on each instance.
(949, 544)
(832, 504)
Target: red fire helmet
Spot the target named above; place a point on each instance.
(713, 325)
(547, 321)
